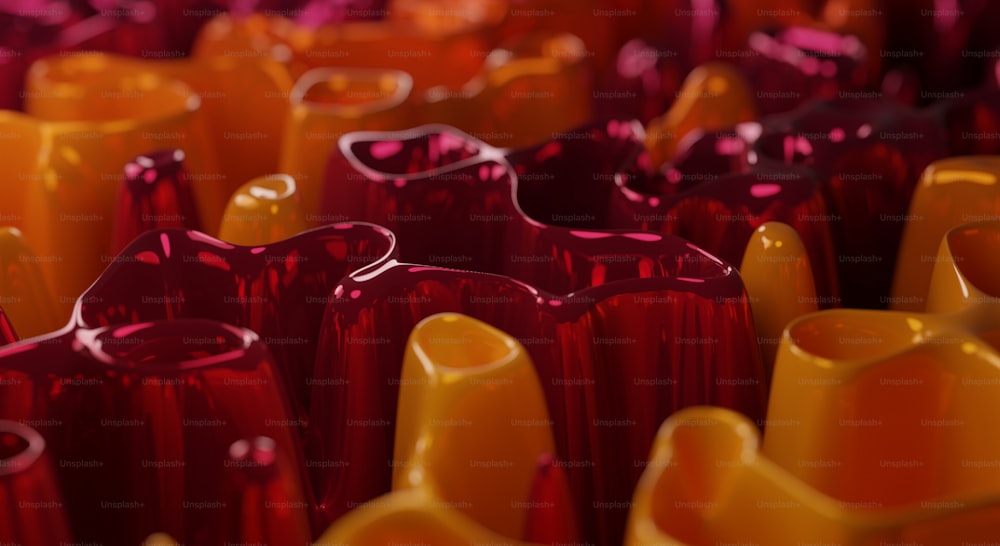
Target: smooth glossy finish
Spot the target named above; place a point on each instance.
(868, 155)
(155, 192)
(917, 390)
(952, 192)
(141, 418)
(472, 425)
(779, 283)
(228, 86)
(31, 503)
(614, 360)
(65, 165)
(278, 290)
(713, 96)
(263, 211)
(708, 482)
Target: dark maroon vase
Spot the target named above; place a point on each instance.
(868, 156)
(656, 324)
(140, 418)
(277, 290)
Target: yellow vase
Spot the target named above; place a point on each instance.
(472, 424)
(713, 96)
(779, 283)
(952, 191)
(707, 483)
(326, 103)
(228, 87)
(539, 86)
(965, 272)
(263, 211)
(66, 173)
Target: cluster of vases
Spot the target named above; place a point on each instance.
(449, 273)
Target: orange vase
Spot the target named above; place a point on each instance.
(227, 86)
(65, 161)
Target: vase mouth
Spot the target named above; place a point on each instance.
(447, 149)
(973, 251)
(113, 102)
(710, 447)
(855, 338)
(20, 447)
(350, 92)
(168, 346)
(455, 343)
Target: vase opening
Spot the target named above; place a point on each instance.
(456, 342)
(167, 346)
(20, 446)
(351, 91)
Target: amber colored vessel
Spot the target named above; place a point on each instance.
(779, 283)
(708, 482)
(263, 211)
(527, 90)
(713, 96)
(916, 390)
(65, 164)
(951, 192)
(227, 86)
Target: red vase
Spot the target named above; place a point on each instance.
(31, 505)
(868, 155)
(666, 326)
(155, 192)
(141, 418)
(277, 290)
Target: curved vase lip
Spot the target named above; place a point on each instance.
(480, 153)
(740, 435)
(34, 446)
(148, 247)
(449, 328)
(727, 287)
(880, 335)
(88, 129)
(401, 81)
(47, 81)
(971, 258)
(223, 344)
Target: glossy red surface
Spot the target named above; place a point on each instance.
(154, 193)
(31, 504)
(140, 419)
(671, 330)
(278, 290)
